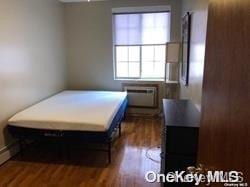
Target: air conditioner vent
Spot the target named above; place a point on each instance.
(142, 95)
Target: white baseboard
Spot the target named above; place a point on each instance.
(8, 151)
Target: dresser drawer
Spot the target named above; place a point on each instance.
(178, 163)
(183, 141)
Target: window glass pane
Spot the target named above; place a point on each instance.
(147, 53)
(131, 33)
(134, 69)
(122, 69)
(134, 53)
(160, 53)
(147, 69)
(128, 61)
(122, 54)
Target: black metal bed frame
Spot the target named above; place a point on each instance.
(26, 134)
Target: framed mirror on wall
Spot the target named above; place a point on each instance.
(185, 47)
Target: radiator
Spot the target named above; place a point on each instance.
(142, 96)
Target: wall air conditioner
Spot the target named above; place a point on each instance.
(142, 96)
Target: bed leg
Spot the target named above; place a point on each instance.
(124, 116)
(120, 129)
(21, 147)
(68, 150)
(109, 150)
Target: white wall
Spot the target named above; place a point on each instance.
(198, 9)
(32, 62)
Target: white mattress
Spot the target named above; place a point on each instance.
(73, 111)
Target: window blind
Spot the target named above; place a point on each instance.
(141, 28)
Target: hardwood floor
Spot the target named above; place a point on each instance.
(40, 166)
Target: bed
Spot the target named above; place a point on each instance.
(85, 116)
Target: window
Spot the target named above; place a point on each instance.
(140, 44)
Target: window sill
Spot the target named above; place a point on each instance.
(141, 80)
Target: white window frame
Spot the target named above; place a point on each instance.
(127, 10)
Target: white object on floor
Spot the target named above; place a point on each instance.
(153, 153)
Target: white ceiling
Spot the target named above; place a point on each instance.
(70, 1)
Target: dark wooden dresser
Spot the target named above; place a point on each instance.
(180, 132)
